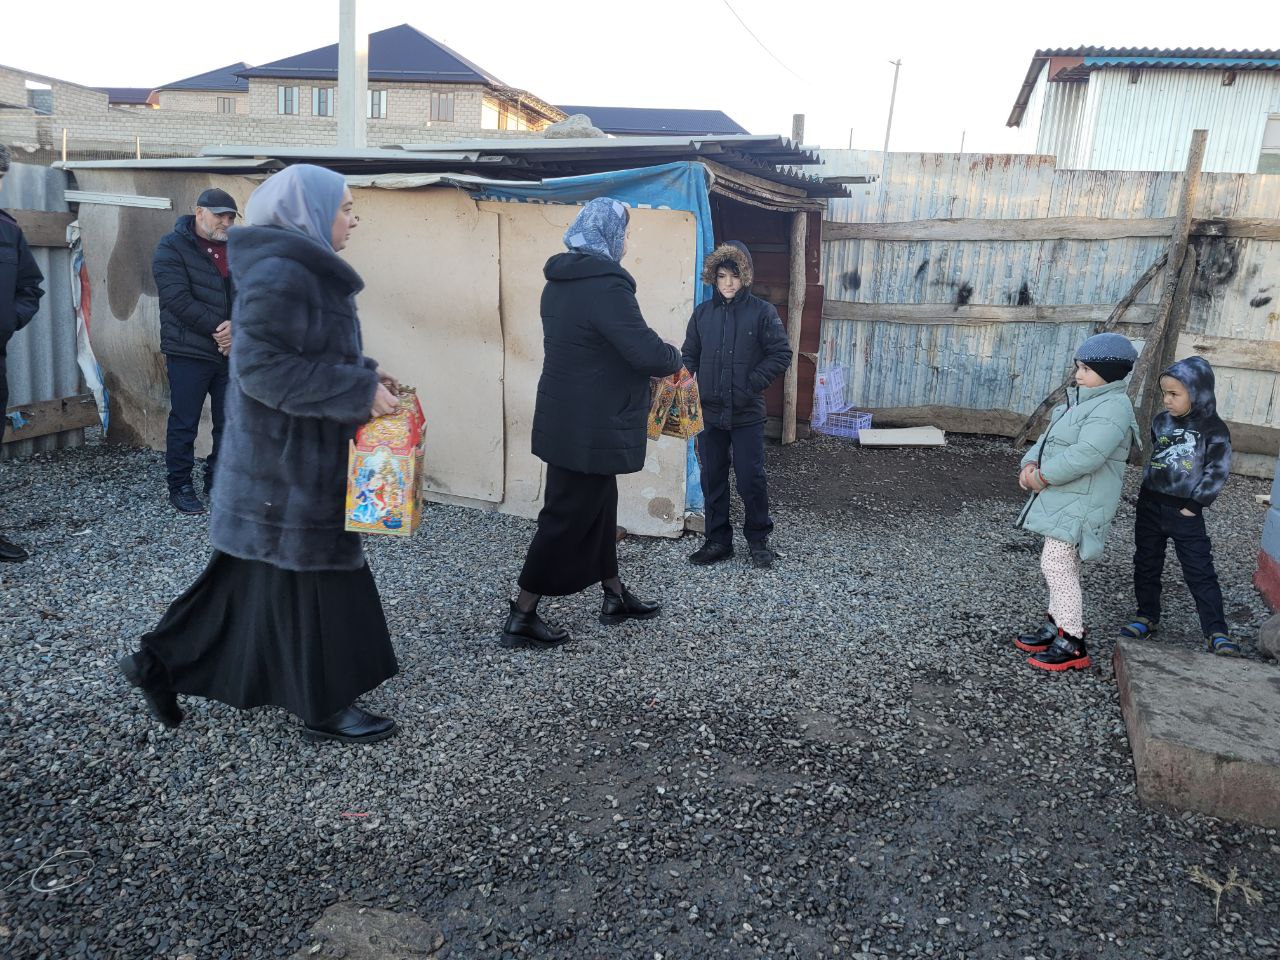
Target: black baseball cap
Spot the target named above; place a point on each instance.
(217, 201)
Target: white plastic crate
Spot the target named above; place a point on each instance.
(828, 395)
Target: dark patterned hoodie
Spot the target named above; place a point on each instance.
(1191, 455)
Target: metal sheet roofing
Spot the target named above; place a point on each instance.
(397, 53)
(1084, 60)
(768, 158)
(656, 120)
(223, 79)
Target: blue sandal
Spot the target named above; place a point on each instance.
(1139, 628)
(1224, 646)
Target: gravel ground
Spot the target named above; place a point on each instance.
(840, 757)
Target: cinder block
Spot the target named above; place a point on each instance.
(1204, 730)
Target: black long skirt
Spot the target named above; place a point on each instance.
(251, 634)
(577, 543)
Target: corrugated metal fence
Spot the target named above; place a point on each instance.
(42, 357)
(1000, 370)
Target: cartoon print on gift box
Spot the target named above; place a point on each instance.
(371, 504)
(1176, 451)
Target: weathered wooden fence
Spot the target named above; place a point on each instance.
(959, 295)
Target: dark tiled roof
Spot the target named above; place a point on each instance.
(126, 94)
(657, 121)
(223, 79)
(397, 53)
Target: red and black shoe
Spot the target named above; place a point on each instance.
(1065, 653)
(1039, 640)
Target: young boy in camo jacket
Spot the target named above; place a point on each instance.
(1190, 460)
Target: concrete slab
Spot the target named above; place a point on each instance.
(1204, 730)
(349, 931)
(902, 437)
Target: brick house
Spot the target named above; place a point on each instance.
(215, 91)
(413, 81)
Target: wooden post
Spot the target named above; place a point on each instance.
(797, 128)
(795, 314)
(64, 144)
(1145, 386)
(137, 148)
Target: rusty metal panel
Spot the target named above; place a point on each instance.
(42, 361)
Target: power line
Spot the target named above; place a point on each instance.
(761, 42)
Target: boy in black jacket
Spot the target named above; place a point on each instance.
(1190, 460)
(736, 345)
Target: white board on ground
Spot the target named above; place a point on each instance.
(429, 312)
(660, 257)
(903, 437)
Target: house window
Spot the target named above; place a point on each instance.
(1269, 162)
(322, 101)
(226, 104)
(287, 100)
(442, 107)
(377, 104)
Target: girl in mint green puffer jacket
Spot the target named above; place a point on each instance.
(1075, 473)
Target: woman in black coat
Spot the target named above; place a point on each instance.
(286, 613)
(588, 423)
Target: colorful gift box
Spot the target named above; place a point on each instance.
(384, 468)
(675, 408)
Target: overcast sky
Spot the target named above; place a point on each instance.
(962, 62)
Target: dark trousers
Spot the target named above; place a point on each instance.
(744, 447)
(190, 381)
(1156, 524)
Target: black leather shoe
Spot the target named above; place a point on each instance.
(761, 556)
(11, 552)
(530, 630)
(710, 553)
(161, 701)
(351, 725)
(1065, 653)
(615, 609)
(1034, 641)
(184, 500)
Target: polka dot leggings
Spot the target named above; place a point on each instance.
(1061, 567)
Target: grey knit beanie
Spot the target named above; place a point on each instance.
(1110, 355)
(4, 159)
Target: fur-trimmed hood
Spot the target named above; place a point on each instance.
(735, 251)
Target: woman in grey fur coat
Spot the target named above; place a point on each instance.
(286, 613)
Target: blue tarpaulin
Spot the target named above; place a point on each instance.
(670, 186)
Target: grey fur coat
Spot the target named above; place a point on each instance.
(300, 386)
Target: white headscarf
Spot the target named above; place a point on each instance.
(302, 197)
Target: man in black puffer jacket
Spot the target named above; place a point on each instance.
(736, 346)
(196, 292)
(20, 294)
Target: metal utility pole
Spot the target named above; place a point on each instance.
(353, 77)
(884, 157)
(962, 133)
(851, 138)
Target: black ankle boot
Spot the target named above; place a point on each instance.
(161, 700)
(1038, 640)
(1065, 653)
(530, 630)
(351, 725)
(616, 608)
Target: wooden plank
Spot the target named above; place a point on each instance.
(1231, 352)
(975, 313)
(1144, 388)
(929, 436)
(50, 416)
(1048, 228)
(43, 228)
(795, 318)
(1040, 228)
(1249, 228)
